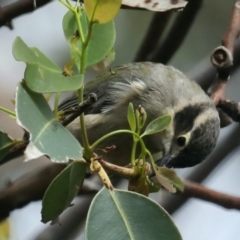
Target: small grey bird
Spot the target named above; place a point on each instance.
(160, 90)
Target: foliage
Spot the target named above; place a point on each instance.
(123, 214)
(90, 35)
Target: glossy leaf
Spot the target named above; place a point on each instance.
(100, 44)
(41, 74)
(44, 80)
(157, 125)
(154, 186)
(164, 181)
(6, 143)
(22, 52)
(48, 136)
(70, 27)
(170, 176)
(62, 191)
(131, 117)
(156, 5)
(118, 214)
(104, 10)
(103, 64)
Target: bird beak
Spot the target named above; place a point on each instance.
(167, 161)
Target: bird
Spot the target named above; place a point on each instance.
(160, 90)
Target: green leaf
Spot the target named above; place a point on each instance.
(163, 181)
(126, 215)
(22, 52)
(100, 44)
(103, 64)
(170, 176)
(44, 80)
(48, 136)
(157, 125)
(154, 187)
(6, 143)
(70, 27)
(106, 10)
(131, 117)
(62, 191)
(41, 74)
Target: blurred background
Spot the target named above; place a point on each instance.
(196, 219)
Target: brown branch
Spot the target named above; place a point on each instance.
(177, 34)
(198, 191)
(231, 108)
(81, 108)
(30, 187)
(234, 28)
(18, 8)
(153, 35)
(222, 57)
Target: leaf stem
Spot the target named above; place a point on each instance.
(118, 132)
(80, 29)
(20, 140)
(133, 155)
(152, 160)
(8, 111)
(68, 5)
(85, 42)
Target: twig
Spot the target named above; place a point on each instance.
(231, 108)
(198, 191)
(30, 187)
(153, 35)
(81, 108)
(18, 8)
(14, 153)
(115, 169)
(177, 34)
(222, 57)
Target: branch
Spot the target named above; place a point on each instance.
(77, 111)
(178, 32)
(18, 8)
(231, 108)
(198, 191)
(222, 57)
(30, 187)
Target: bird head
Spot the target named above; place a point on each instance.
(195, 131)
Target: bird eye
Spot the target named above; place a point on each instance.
(181, 141)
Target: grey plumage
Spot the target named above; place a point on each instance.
(159, 90)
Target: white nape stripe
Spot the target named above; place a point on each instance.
(208, 114)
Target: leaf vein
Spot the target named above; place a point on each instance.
(118, 205)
